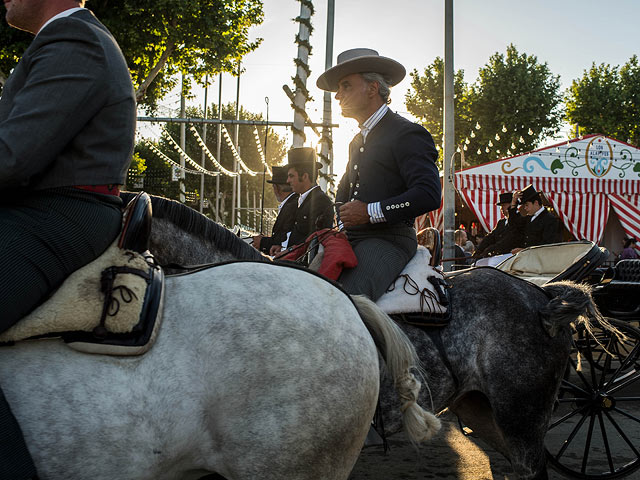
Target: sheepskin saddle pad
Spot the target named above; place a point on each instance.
(419, 295)
(111, 306)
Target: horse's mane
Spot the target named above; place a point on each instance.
(197, 224)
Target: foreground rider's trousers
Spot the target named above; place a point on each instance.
(44, 237)
(382, 252)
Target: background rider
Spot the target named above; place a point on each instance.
(315, 208)
(286, 211)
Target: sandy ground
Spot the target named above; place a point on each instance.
(450, 456)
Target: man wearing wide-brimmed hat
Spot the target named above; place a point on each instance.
(504, 237)
(538, 226)
(391, 177)
(315, 208)
(286, 211)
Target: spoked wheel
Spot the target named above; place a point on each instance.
(595, 429)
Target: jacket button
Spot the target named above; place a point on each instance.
(355, 167)
(407, 204)
(361, 149)
(355, 193)
(388, 207)
(304, 216)
(351, 185)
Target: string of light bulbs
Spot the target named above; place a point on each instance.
(226, 172)
(173, 162)
(236, 155)
(260, 152)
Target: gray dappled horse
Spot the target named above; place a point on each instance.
(242, 381)
(497, 365)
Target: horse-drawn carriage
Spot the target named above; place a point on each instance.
(595, 428)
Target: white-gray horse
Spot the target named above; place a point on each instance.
(259, 371)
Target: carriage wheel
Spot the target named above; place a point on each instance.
(595, 430)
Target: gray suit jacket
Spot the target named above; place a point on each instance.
(68, 111)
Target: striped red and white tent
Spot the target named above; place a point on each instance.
(583, 178)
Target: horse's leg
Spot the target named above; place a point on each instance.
(517, 436)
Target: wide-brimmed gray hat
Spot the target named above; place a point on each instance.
(361, 60)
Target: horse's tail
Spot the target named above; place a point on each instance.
(571, 303)
(401, 359)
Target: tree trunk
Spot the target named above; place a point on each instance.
(142, 89)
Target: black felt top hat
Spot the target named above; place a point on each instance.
(505, 198)
(279, 175)
(529, 194)
(302, 156)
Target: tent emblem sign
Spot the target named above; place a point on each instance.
(599, 156)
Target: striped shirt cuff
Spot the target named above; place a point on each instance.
(375, 213)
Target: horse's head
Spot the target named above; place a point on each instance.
(181, 235)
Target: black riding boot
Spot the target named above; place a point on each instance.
(15, 460)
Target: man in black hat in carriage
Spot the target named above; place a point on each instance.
(314, 209)
(504, 237)
(286, 211)
(538, 226)
(391, 177)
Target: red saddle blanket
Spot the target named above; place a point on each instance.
(338, 253)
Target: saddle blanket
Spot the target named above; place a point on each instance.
(411, 291)
(78, 304)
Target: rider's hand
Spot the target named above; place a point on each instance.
(516, 197)
(256, 240)
(354, 213)
(275, 249)
(516, 250)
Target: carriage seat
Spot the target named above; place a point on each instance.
(136, 224)
(619, 297)
(627, 271)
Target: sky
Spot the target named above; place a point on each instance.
(568, 35)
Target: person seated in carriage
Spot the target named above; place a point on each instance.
(315, 208)
(391, 177)
(67, 130)
(537, 226)
(504, 237)
(628, 249)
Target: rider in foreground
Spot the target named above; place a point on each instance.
(391, 176)
(67, 125)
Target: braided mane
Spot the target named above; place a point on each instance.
(197, 224)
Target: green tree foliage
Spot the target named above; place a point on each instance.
(162, 38)
(515, 100)
(157, 176)
(606, 100)
(425, 100)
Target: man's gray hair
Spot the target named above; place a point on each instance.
(384, 88)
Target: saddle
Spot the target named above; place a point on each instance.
(420, 294)
(112, 305)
